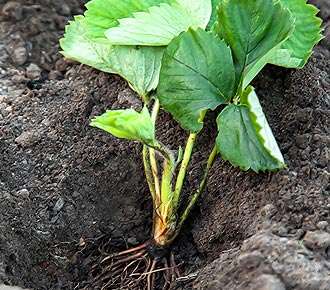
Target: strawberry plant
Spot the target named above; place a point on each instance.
(189, 57)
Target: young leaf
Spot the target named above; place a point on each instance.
(197, 74)
(139, 66)
(160, 24)
(127, 124)
(306, 34)
(104, 14)
(245, 138)
(252, 28)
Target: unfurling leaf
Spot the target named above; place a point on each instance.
(160, 24)
(245, 138)
(127, 124)
(197, 74)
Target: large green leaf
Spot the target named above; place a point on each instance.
(160, 24)
(197, 74)
(245, 138)
(252, 28)
(295, 51)
(104, 14)
(306, 35)
(140, 66)
(128, 124)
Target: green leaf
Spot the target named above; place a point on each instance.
(199, 9)
(104, 14)
(77, 45)
(306, 35)
(213, 18)
(197, 74)
(252, 28)
(295, 51)
(245, 138)
(140, 66)
(276, 56)
(283, 57)
(160, 24)
(127, 124)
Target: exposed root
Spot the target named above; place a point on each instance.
(136, 268)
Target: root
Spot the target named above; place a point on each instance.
(135, 268)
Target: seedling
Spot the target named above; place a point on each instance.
(188, 57)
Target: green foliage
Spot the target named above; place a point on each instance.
(128, 124)
(78, 45)
(194, 78)
(160, 24)
(104, 14)
(252, 28)
(200, 70)
(306, 34)
(213, 18)
(139, 66)
(215, 48)
(245, 138)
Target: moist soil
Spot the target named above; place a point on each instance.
(67, 189)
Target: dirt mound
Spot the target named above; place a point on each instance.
(65, 186)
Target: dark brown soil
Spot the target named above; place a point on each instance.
(65, 186)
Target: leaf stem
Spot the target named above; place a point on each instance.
(148, 172)
(201, 188)
(183, 169)
(152, 155)
(166, 187)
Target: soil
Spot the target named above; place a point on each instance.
(65, 187)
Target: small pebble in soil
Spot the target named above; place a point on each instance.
(55, 75)
(322, 225)
(317, 240)
(61, 65)
(58, 205)
(250, 260)
(267, 282)
(132, 241)
(33, 71)
(13, 10)
(64, 9)
(24, 193)
(268, 211)
(303, 140)
(27, 138)
(19, 55)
